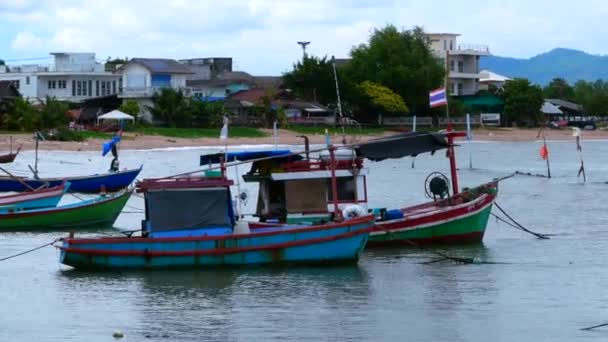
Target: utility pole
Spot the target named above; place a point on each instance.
(303, 45)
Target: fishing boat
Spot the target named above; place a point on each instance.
(110, 181)
(294, 189)
(190, 223)
(42, 198)
(10, 157)
(99, 212)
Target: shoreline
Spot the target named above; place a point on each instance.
(133, 141)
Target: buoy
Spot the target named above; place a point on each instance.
(118, 335)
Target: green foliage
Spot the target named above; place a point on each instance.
(53, 114)
(383, 98)
(130, 107)
(206, 113)
(559, 89)
(522, 102)
(312, 79)
(2, 62)
(64, 134)
(233, 132)
(593, 96)
(171, 107)
(21, 115)
(400, 60)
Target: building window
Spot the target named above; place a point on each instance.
(16, 84)
(120, 85)
(459, 88)
(73, 88)
(62, 84)
(49, 84)
(452, 63)
(114, 87)
(84, 88)
(103, 88)
(27, 80)
(78, 88)
(90, 88)
(460, 66)
(445, 45)
(451, 45)
(97, 88)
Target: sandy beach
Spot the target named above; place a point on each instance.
(286, 137)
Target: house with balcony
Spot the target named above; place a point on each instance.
(462, 61)
(73, 77)
(143, 77)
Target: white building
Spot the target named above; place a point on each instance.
(489, 78)
(143, 77)
(72, 77)
(462, 61)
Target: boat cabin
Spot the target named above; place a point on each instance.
(300, 190)
(182, 207)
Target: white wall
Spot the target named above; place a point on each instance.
(26, 90)
(139, 75)
(178, 81)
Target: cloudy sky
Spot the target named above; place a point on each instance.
(261, 35)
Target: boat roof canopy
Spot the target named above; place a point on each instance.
(402, 145)
(246, 155)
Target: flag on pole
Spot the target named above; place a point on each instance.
(438, 98)
(544, 152)
(224, 131)
(107, 147)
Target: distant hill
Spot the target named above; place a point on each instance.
(572, 65)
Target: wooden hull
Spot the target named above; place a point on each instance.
(434, 224)
(8, 158)
(98, 213)
(46, 198)
(86, 184)
(324, 244)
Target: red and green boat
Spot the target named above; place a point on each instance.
(298, 189)
(99, 212)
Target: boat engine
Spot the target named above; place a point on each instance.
(436, 185)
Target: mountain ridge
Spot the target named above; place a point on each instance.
(570, 64)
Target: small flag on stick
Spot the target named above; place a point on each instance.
(579, 148)
(544, 152)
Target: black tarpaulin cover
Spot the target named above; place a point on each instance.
(189, 209)
(402, 145)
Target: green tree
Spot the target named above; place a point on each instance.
(53, 114)
(2, 62)
(21, 115)
(559, 88)
(313, 79)
(522, 102)
(171, 107)
(130, 107)
(400, 60)
(205, 113)
(382, 98)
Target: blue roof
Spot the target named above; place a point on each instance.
(246, 155)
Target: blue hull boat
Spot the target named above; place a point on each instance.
(43, 198)
(113, 181)
(190, 223)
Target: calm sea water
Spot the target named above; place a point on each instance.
(526, 289)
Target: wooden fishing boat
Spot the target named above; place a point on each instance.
(111, 181)
(190, 223)
(297, 190)
(43, 198)
(9, 157)
(99, 212)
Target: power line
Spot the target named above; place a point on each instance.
(27, 59)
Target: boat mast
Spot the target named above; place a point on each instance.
(333, 63)
(451, 155)
(334, 183)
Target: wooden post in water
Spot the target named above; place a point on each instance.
(547, 158)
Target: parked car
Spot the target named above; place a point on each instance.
(588, 125)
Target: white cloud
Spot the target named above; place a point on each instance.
(26, 41)
(261, 34)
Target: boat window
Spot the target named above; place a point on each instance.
(307, 195)
(189, 209)
(347, 189)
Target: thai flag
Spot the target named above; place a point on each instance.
(438, 98)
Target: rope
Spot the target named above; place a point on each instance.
(595, 326)
(442, 255)
(30, 250)
(517, 224)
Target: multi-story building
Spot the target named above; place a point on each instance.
(73, 77)
(143, 77)
(462, 61)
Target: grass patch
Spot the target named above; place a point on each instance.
(233, 132)
(350, 130)
(95, 135)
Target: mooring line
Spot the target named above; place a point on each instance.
(442, 255)
(595, 326)
(521, 227)
(530, 174)
(30, 250)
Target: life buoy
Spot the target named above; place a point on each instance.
(353, 211)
